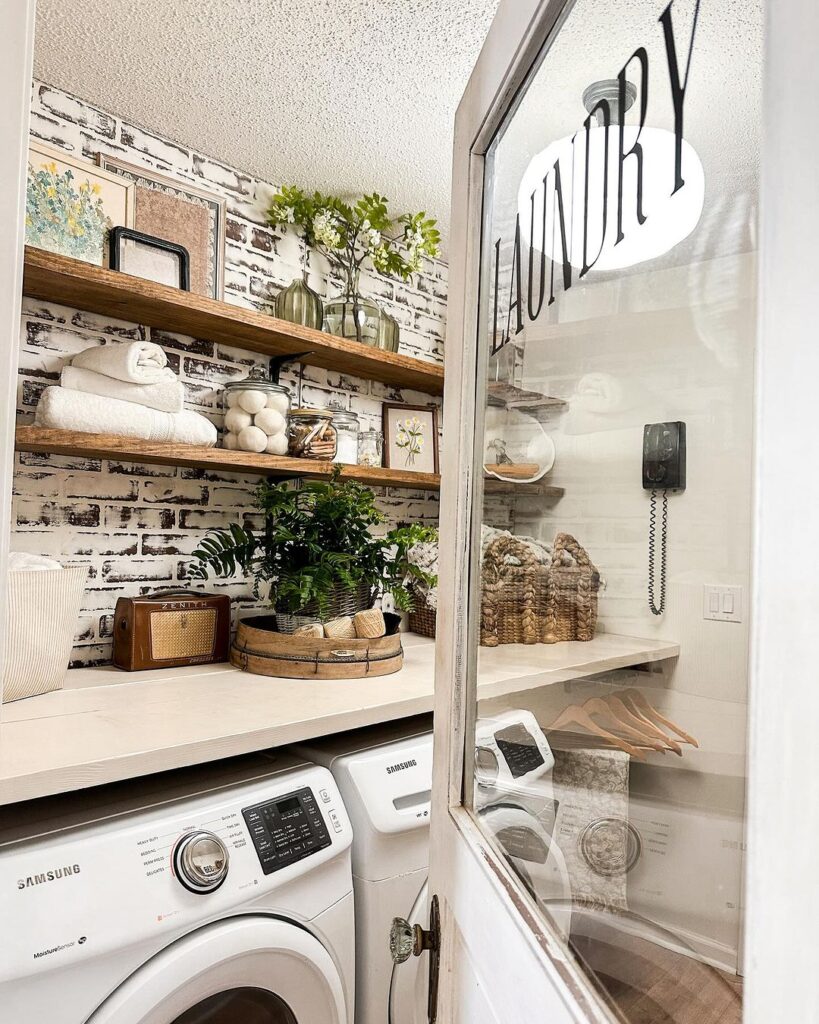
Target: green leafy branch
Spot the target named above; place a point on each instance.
(350, 233)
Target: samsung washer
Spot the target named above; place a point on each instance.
(210, 895)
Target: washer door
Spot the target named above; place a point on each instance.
(257, 970)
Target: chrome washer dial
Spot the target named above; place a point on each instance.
(200, 861)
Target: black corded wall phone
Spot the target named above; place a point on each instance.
(663, 470)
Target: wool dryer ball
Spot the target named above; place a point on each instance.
(252, 401)
(230, 441)
(251, 439)
(237, 419)
(277, 445)
(278, 401)
(270, 421)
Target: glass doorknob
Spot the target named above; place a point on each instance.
(402, 940)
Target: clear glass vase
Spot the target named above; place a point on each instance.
(389, 332)
(351, 315)
(298, 303)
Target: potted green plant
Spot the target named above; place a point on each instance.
(317, 553)
(351, 234)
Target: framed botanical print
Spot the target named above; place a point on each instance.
(181, 213)
(71, 204)
(410, 437)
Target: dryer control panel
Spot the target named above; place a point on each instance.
(286, 829)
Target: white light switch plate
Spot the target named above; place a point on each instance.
(722, 603)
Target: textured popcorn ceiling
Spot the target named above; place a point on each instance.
(342, 95)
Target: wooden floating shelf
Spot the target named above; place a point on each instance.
(53, 278)
(492, 485)
(160, 453)
(533, 403)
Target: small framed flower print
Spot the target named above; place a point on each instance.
(411, 437)
(71, 205)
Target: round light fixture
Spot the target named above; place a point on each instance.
(668, 218)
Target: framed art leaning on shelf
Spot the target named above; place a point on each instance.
(71, 204)
(410, 437)
(179, 212)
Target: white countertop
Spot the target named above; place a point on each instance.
(107, 725)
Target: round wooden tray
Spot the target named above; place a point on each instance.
(261, 649)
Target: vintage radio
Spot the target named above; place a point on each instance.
(171, 628)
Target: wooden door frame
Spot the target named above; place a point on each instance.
(16, 60)
(781, 900)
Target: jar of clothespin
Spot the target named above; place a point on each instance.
(312, 434)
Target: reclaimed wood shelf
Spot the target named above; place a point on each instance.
(532, 403)
(161, 453)
(491, 485)
(53, 278)
(107, 725)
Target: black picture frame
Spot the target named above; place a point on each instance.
(119, 235)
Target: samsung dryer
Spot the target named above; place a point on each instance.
(210, 895)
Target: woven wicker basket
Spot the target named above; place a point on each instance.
(526, 602)
(422, 618)
(343, 601)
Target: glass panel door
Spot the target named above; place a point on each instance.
(617, 323)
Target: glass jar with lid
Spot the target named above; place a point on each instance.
(312, 434)
(256, 414)
(370, 448)
(347, 429)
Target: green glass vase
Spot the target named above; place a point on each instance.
(300, 304)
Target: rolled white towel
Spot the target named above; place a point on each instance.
(64, 409)
(139, 362)
(168, 395)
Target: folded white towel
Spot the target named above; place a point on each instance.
(64, 409)
(167, 395)
(22, 561)
(139, 362)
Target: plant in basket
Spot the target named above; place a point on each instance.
(316, 553)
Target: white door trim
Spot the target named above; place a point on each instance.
(782, 897)
(464, 867)
(16, 61)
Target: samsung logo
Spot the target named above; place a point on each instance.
(401, 766)
(48, 876)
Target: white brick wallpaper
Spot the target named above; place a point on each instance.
(134, 525)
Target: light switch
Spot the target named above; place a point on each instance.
(722, 603)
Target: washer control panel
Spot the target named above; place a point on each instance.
(286, 829)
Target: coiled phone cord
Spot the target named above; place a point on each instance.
(652, 530)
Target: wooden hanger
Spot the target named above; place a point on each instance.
(628, 711)
(654, 715)
(575, 715)
(598, 708)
